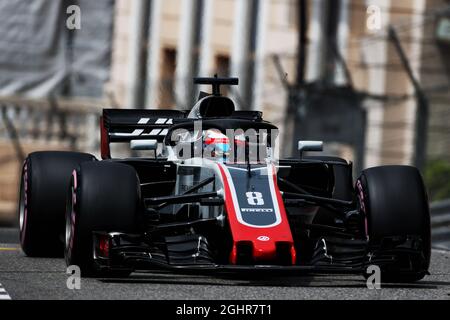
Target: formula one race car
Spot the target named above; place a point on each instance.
(208, 194)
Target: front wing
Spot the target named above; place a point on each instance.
(119, 251)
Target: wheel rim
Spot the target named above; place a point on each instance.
(70, 217)
(68, 233)
(363, 206)
(23, 204)
(22, 207)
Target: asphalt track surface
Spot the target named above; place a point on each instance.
(37, 278)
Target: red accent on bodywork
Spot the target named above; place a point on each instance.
(104, 246)
(104, 141)
(284, 216)
(263, 251)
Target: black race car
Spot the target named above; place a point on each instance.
(205, 192)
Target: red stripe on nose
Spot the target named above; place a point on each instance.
(261, 242)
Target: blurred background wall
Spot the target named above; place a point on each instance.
(371, 78)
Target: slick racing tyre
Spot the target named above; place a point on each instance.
(395, 204)
(42, 199)
(103, 196)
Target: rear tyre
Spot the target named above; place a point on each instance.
(42, 199)
(395, 203)
(104, 196)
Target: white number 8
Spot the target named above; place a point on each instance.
(255, 198)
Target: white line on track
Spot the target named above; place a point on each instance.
(3, 294)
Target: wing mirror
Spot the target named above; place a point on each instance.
(309, 146)
(143, 144)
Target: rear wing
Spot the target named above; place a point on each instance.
(124, 125)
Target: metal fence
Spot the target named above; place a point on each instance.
(71, 124)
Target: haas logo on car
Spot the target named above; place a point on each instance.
(263, 238)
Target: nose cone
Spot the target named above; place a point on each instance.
(264, 249)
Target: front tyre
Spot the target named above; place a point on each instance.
(395, 204)
(42, 198)
(103, 196)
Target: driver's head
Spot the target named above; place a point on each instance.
(216, 142)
